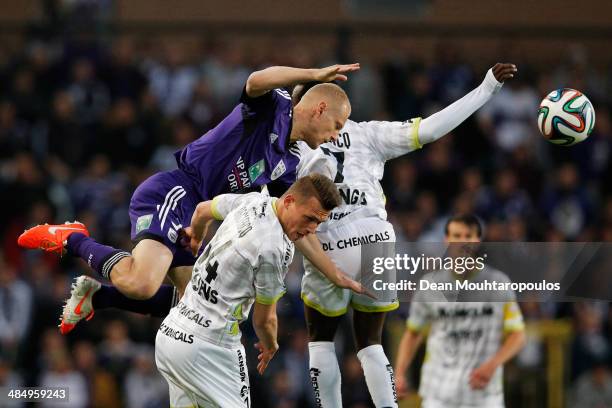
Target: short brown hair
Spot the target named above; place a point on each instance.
(318, 186)
(469, 220)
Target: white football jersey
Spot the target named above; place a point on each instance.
(462, 336)
(246, 261)
(356, 163)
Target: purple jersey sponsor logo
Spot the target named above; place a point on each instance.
(238, 178)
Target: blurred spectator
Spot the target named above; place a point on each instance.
(123, 137)
(66, 137)
(88, 93)
(15, 310)
(103, 389)
(590, 344)
(102, 192)
(593, 389)
(225, 71)
(567, 204)
(30, 106)
(117, 349)
(9, 379)
(163, 158)
(509, 116)
(61, 373)
(14, 132)
(439, 174)
(505, 200)
(400, 191)
(451, 77)
(203, 111)
(121, 74)
(172, 81)
(365, 93)
(145, 387)
(295, 360)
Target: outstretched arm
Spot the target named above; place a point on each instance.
(441, 123)
(311, 248)
(260, 82)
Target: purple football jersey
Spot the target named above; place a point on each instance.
(248, 149)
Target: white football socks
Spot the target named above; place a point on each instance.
(379, 376)
(325, 374)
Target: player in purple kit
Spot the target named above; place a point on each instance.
(251, 147)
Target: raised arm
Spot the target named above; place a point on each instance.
(441, 123)
(260, 82)
(394, 139)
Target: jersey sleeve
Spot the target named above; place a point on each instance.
(224, 204)
(269, 278)
(393, 139)
(268, 102)
(513, 318)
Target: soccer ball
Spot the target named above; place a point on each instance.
(566, 117)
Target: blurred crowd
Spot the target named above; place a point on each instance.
(82, 123)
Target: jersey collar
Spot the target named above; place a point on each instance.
(274, 206)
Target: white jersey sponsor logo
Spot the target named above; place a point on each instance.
(247, 259)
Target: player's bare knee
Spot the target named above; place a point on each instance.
(133, 286)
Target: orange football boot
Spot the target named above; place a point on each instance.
(50, 238)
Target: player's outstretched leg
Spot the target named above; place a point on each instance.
(324, 370)
(376, 367)
(88, 295)
(137, 275)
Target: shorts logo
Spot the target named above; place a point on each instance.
(273, 137)
(143, 222)
(256, 170)
(176, 334)
(172, 235)
(278, 170)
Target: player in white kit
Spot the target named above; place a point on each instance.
(355, 160)
(198, 347)
(466, 348)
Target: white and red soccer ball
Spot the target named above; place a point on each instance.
(566, 117)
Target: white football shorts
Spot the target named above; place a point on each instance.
(199, 373)
(343, 243)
